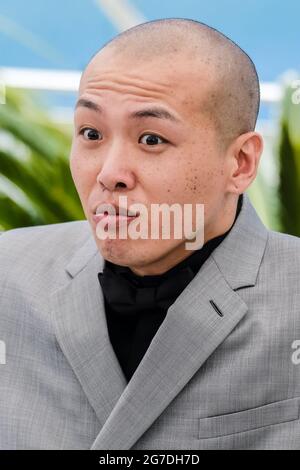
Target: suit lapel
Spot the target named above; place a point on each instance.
(196, 324)
(191, 331)
(81, 330)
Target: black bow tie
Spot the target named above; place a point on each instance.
(129, 296)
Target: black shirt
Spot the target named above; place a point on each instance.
(133, 312)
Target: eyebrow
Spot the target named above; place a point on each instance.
(88, 104)
(154, 111)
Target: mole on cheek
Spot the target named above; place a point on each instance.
(191, 183)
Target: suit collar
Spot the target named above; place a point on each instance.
(190, 333)
(240, 254)
(84, 255)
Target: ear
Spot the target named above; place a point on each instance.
(243, 156)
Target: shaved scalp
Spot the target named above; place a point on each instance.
(234, 98)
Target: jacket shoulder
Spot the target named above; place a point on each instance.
(40, 251)
(57, 237)
(283, 251)
(283, 240)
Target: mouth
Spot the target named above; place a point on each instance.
(113, 214)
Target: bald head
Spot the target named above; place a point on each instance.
(232, 102)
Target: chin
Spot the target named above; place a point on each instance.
(121, 252)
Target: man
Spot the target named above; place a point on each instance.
(122, 343)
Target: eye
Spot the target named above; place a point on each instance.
(90, 134)
(152, 139)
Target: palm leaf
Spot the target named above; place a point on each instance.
(37, 163)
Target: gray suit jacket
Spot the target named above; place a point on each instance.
(209, 380)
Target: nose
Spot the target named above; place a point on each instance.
(115, 173)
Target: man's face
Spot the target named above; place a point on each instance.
(158, 159)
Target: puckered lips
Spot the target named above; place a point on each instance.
(113, 214)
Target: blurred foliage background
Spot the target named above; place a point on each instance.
(289, 161)
(36, 186)
(275, 193)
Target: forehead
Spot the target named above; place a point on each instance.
(174, 80)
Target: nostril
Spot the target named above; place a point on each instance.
(120, 185)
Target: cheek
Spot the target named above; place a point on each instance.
(203, 183)
(83, 175)
(82, 168)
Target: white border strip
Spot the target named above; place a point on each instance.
(38, 79)
(68, 81)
